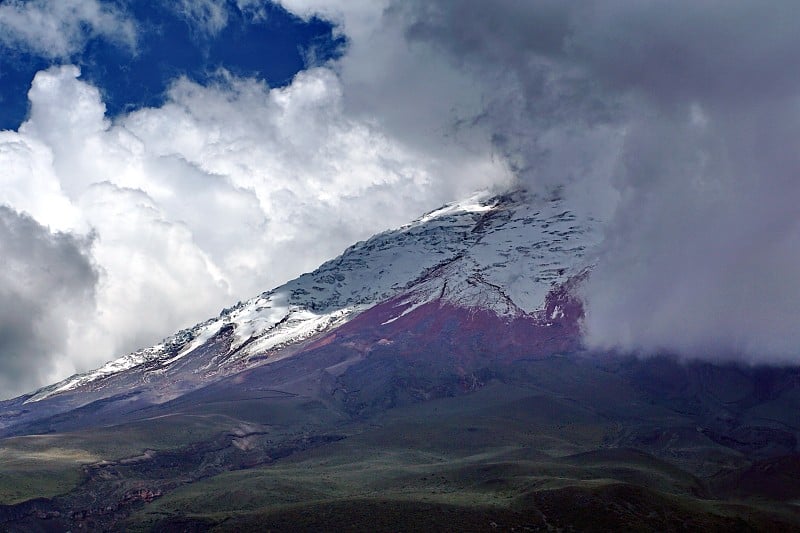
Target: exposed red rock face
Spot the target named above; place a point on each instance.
(467, 337)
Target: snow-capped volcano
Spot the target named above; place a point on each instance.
(501, 255)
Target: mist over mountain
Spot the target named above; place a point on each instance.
(687, 112)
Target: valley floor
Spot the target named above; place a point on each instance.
(548, 445)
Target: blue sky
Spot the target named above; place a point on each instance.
(272, 45)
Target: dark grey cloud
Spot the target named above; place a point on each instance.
(690, 113)
(46, 279)
(543, 111)
(723, 52)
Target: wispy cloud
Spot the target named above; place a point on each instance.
(207, 16)
(58, 29)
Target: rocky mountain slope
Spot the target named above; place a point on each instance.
(497, 254)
